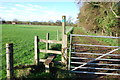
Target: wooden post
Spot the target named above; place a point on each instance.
(36, 50)
(64, 41)
(47, 68)
(9, 61)
(63, 25)
(47, 44)
(58, 35)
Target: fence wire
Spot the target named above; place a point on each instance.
(23, 54)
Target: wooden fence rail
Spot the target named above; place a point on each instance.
(51, 41)
(50, 51)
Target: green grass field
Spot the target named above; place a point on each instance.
(22, 36)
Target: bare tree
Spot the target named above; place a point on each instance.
(69, 21)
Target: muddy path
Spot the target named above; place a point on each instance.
(93, 41)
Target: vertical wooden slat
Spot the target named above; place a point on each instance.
(47, 44)
(36, 50)
(9, 61)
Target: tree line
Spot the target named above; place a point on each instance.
(52, 23)
(100, 17)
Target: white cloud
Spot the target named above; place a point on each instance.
(30, 6)
(19, 5)
(14, 8)
(30, 9)
(2, 7)
(36, 6)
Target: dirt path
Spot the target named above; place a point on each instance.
(88, 40)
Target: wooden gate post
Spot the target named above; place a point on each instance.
(36, 50)
(9, 61)
(64, 41)
(47, 44)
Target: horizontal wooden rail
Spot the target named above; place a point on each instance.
(94, 45)
(50, 51)
(97, 68)
(50, 41)
(96, 73)
(95, 36)
(94, 58)
(95, 64)
(95, 53)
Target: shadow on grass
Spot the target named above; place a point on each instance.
(56, 72)
(56, 47)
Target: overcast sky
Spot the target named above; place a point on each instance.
(38, 11)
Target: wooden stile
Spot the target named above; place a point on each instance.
(9, 61)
